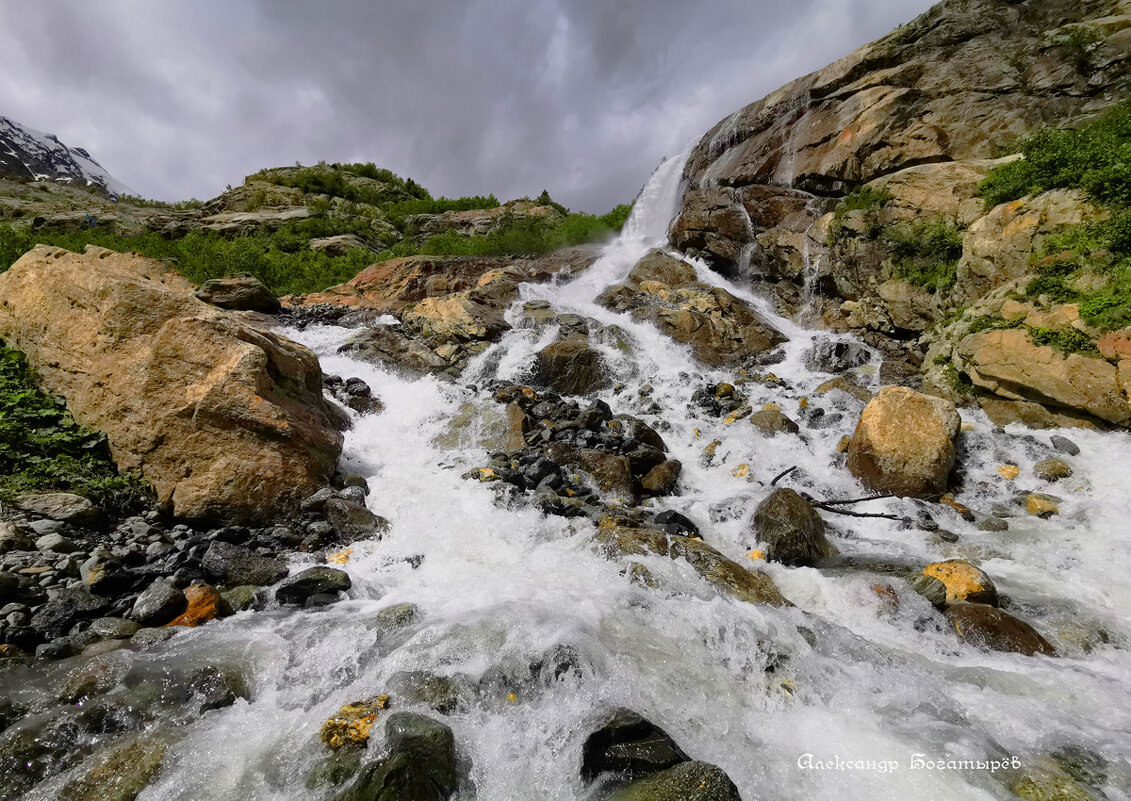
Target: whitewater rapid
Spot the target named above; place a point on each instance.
(498, 588)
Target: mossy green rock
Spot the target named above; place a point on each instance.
(689, 781)
(121, 775)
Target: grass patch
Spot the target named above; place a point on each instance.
(285, 265)
(42, 448)
(925, 253)
(988, 322)
(1095, 158)
(865, 199)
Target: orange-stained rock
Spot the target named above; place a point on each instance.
(203, 605)
(352, 723)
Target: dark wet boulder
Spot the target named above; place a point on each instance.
(159, 603)
(662, 478)
(791, 529)
(836, 357)
(630, 746)
(772, 422)
(353, 521)
(318, 580)
(571, 367)
(55, 618)
(232, 565)
(421, 765)
(687, 781)
(984, 626)
(673, 522)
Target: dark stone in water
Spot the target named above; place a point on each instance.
(232, 565)
(159, 603)
(791, 528)
(312, 581)
(688, 781)
(673, 522)
(421, 765)
(629, 746)
(1064, 445)
(352, 521)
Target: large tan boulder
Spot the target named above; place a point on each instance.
(904, 443)
(224, 418)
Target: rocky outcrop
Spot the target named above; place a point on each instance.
(730, 577)
(1010, 364)
(719, 327)
(223, 417)
(239, 293)
(448, 309)
(959, 83)
(990, 354)
(904, 443)
(479, 222)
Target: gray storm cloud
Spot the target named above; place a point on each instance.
(467, 97)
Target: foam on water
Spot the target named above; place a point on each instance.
(498, 588)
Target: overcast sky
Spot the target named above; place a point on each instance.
(581, 97)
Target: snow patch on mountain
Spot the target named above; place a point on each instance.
(28, 153)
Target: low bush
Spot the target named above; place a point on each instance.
(42, 448)
(925, 253)
(1095, 158)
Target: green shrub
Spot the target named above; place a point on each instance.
(203, 255)
(1095, 158)
(42, 447)
(865, 199)
(925, 253)
(1065, 340)
(989, 322)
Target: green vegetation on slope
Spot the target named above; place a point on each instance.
(42, 448)
(1090, 265)
(865, 199)
(1095, 157)
(203, 255)
(361, 199)
(925, 253)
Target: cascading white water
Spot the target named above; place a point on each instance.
(499, 587)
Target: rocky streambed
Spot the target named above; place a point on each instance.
(609, 530)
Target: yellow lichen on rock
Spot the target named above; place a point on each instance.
(963, 582)
(1041, 505)
(353, 722)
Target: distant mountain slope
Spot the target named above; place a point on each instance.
(28, 153)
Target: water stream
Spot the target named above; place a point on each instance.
(499, 588)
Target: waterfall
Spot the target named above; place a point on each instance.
(749, 688)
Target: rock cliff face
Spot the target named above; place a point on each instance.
(910, 125)
(959, 83)
(224, 418)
